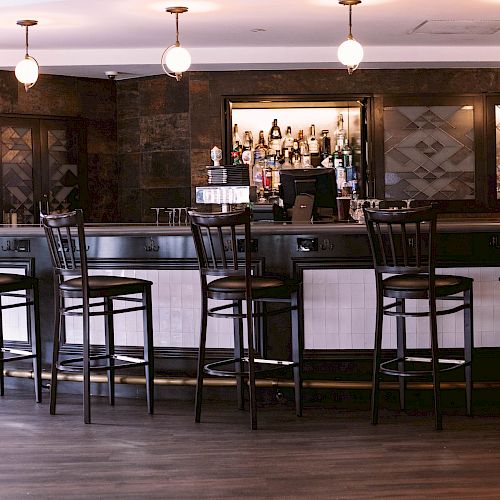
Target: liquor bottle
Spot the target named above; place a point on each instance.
(324, 145)
(347, 159)
(275, 137)
(313, 142)
(276, 169)
(296, 158)
(260, 153)
(267, 179)
(288, 140)
(340, 171)
(236, 149)
(236, 135)
(247, 154)
(286, 163)
(304, 150)
(340, 135)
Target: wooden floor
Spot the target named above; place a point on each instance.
(328, 453)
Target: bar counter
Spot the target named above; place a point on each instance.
(332, 260)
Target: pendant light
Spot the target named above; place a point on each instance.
(176, 59)
(350, 52)
(27, 69)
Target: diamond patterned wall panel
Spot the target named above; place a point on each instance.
(429, 152)
(63, 170)
(17, 172)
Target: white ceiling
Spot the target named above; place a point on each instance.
(89, 37)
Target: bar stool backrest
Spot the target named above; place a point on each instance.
(66, 239)
(216, 242)
(402, 241)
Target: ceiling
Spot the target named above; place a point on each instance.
(90, 37)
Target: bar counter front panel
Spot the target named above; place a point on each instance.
(333, 260)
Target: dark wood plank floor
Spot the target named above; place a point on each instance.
(328, 453)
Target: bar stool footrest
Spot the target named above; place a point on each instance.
(272, 365)
(15, 354)
(68, 365)
(453, 364)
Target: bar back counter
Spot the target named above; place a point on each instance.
(334, 263)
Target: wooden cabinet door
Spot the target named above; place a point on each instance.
(41, 167)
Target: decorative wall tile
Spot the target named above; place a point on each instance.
(429, 152)
(348, 312)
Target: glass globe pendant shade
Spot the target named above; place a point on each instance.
(350, 53)
(177, 59)
(27, 71)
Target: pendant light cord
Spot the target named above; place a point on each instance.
(27, 42)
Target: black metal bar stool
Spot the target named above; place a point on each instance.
(216, 242)
(66, 238)
(12, 285)
(403, 245)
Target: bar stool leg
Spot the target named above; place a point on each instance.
(2, 386)
(401, 351)
(86, 363)
(58, 328)
(297, 352)
(238, 352)
(251, 367)
(468, 347)
(377, 358)
(109, 335)
(34, 333)
(148, 348)
(435, 365)
(201, 358)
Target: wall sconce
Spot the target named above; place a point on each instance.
(350, 52)
(176, 59)
(27, 69)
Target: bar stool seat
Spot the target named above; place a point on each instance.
(105, 286)
(10, 284)
(234, 287)
(417, 286)
(66, 238)
(216, 242)
(403, 245)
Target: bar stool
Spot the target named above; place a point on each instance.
(403, 245)
(216, 242)
(66, 238)
(10, 286)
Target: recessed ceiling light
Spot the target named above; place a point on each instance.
(258, 30)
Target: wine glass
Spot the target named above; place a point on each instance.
(157, 209)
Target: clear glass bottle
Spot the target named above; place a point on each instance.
(313, 142)
(276, 169)
(287, 164)
(288, 140)
(296, 158)
(304, 150)
(340, 171)
(260, 154)
(347, 159)
(247, 154)
(340, 135)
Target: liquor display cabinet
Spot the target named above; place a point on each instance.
(304, 113)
